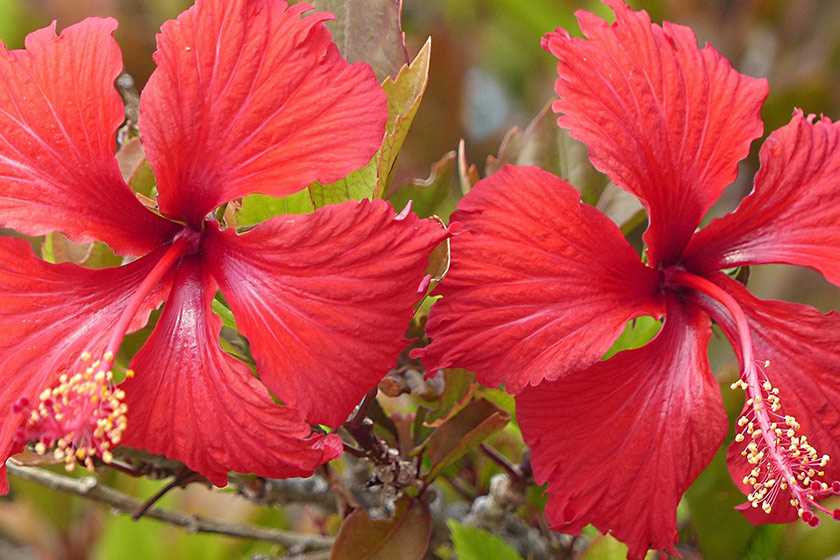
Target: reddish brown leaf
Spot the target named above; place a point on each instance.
(368, 31)
(460, 386)
(462, 432)
(405, 536)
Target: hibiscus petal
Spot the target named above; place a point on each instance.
(665, 120)
(803, 349)
(325, 298)
(793, 214)
(540, 284)
(191, 401)
(49, 315)
(620, 442)
(251, 97)
(59, 114)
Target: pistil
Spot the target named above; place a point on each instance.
(781, 458)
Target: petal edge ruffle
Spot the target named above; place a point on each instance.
(793, 214)
(252, 96)
(540, 284)
(666, 120)
(59, 113)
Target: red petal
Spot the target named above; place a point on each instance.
(540, 284)
(59, 113)
(49, 315)
(193, 402)
(803, 347)
(793, 214)
(620, 442)
(250, 97)
(325, 299)
(665, 120)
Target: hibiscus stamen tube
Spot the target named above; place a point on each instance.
(84, 414)
(781, 458)
(186, 241)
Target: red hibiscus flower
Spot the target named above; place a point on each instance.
(541, 285)
(249, 96)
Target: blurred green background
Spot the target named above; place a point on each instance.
(488, 74)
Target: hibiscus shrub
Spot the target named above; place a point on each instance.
(219, 282)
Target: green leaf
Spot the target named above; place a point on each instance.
(368, 31)
(359, 184)
(257, 208)
(472, 543)
(499, 397)
(405, 536)
(225, 313)
(605, 547)
(637, 333)
(464, 431)
(404, 96)
(356, 186)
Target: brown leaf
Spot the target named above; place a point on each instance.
(405, 536)
(550, 147)
(368, 31)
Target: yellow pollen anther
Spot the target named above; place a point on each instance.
(80, 417)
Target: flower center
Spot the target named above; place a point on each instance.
(782, 459)
(82, 416)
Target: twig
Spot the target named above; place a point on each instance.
(501, 461)
(181, 479)
(361, 413)
(90, 488)
(344, 499)
(284, 491)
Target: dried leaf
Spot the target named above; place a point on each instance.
(58, 249)
(427, 196)
(468, 173)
